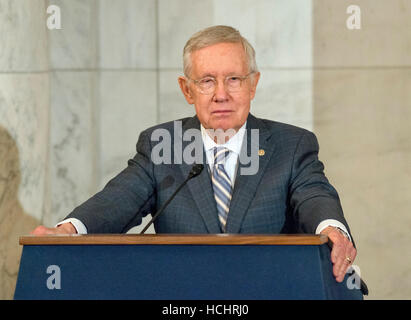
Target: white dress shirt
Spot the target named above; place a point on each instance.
(234, 145)
(230, 166)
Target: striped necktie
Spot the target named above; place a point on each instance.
(221, 185)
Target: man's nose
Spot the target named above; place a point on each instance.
(220, 93)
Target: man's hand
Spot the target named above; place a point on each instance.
(343, 252)
(65, 228)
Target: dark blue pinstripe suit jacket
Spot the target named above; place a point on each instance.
(289, 193)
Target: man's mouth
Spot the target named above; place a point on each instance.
(221, 111)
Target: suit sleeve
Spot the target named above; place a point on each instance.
(312, 198)
(125, 199)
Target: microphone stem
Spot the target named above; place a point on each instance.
(165, 205)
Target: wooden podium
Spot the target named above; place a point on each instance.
(178, 267)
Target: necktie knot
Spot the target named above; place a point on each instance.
(220, 155)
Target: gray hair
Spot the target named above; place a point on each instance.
(213, 35)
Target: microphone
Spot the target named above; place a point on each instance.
(194, 172)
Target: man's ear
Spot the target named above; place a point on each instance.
(254, 82)
(185, 89)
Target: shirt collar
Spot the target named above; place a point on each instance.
(234, 144)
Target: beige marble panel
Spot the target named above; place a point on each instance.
(172, 104)
(127, 34)
(285, 96)
(74, 46)
(280, 31)
(128, 105)
(383, 40)
(23, 36)
(362, 119)
(72, 142)
(243, 15)
(178, 20)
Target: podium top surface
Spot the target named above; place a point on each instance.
(175, 239)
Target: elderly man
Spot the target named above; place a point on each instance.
(288, 193)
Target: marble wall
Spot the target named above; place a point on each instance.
(74, 113)
(24, 129)
(362, 117)
(73, 102)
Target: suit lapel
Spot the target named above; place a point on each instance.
(246, 185)
(200, 186)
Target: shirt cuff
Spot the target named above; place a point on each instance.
(78, 225)
(332, 223)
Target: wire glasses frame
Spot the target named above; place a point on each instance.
(207, 85)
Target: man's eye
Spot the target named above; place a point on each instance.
(207, 81)
(233, 80)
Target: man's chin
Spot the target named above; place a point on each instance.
(223, 122)
(223, 126)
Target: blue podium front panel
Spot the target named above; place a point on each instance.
(178, 272)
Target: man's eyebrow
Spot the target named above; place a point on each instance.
(230, 74)
(207, 75)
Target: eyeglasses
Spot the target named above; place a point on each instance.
(207, 85)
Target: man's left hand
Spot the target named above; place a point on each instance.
(343, 252)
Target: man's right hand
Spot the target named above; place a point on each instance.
(65, 228)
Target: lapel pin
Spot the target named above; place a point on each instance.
(261, 152)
